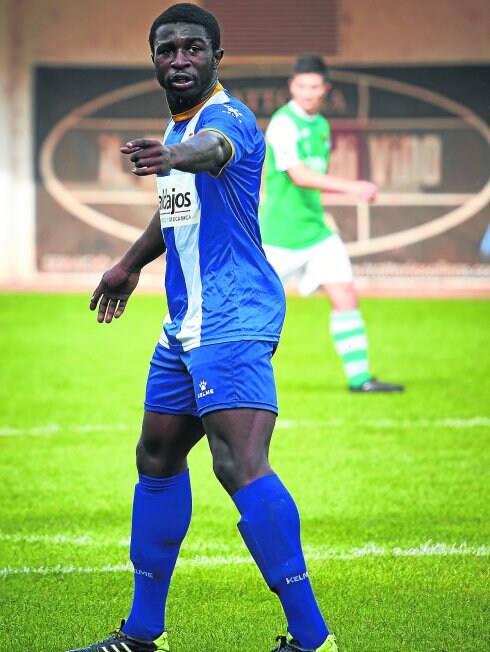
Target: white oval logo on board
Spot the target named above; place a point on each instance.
(406, 155)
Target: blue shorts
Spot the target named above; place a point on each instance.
(212, 377)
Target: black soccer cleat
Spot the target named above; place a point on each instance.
(287, 644)
(374, 385)
(118, 641)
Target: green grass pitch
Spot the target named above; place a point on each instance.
(393, 490)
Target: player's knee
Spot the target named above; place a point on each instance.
(343, 296)
(148, 464)
(233, 474)
(158, 463)
(226, 472)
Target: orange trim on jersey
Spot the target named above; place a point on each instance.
(180, 117)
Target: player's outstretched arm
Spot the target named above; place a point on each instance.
(302, 176)
(118, 282)
(206, 150)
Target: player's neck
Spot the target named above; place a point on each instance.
(300, 112)
(191, 112)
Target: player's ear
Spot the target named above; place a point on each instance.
(326, 88)
(218, 55)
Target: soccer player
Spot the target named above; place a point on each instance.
(297, 240)
(211, 371)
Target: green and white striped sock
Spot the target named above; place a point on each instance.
(350, 340)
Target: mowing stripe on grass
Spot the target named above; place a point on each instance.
(446, 422)
(428, 549)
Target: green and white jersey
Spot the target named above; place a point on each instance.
(293, 217)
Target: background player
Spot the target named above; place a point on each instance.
(211, 370)
(297, 240)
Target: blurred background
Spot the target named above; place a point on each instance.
(409, 110)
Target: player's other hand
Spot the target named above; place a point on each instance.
(148, 156)
(113, 292)
(366, 191)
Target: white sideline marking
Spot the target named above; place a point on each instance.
(51, 539)
(55, 428)
(428, 549)
(448, 422)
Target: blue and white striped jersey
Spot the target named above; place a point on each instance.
(220, 286)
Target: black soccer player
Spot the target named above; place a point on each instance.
(211, 371)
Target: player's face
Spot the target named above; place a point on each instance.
(185, 64)
(308, 89)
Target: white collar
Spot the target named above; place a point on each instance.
(295, 107)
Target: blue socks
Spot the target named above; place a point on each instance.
(161, 516)
(270, 527)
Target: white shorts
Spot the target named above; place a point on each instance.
(325, 263)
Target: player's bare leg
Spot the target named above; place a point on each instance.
(239, 440)
(165, 442)
(342, 296)
(348, 331)
(270, 526)
(161, 516)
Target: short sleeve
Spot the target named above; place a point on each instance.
(236, 124)
(282, 136)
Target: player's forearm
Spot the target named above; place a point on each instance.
(202, 153)
(302, 176)
(336, 184)
(149, 246)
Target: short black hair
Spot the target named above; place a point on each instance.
(185, 12)
(311, 63)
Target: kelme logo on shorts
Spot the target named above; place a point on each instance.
(203, 386)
